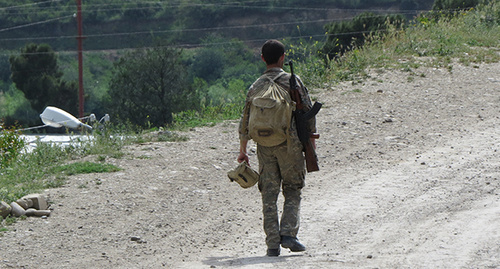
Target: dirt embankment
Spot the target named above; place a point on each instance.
(410, 177)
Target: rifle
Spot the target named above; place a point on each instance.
(301, 119)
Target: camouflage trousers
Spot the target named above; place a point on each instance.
(281, 168)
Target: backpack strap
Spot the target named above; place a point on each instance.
(277, 76)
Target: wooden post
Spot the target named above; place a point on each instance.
(80, 58)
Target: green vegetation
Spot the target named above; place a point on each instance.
(37, 74)
(44, 167)
(346, 35)
(10, 146)
(180, 22)
(48, 165)
(470, 36)
(148, 86)
(454, 5)
(207, 116)
(84, 168)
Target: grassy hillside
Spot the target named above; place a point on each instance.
(469, 37)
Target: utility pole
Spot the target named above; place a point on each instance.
(80, 57)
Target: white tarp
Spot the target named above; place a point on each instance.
(61, 140)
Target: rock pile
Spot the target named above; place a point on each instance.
(29, 205)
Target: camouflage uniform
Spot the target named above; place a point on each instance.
(280, 167)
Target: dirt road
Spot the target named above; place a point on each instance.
(410, 177)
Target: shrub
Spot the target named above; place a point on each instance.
(11, 145)
(348, 35)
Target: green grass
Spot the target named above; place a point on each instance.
(471, 36)
(46, 166)
(49, 165)
(84, 168)
(208, 116)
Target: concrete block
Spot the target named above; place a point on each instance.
(37, 213)
(25, 203)
(5, 209)
(39, 201)
(17, 210)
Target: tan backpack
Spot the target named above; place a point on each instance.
(271, 109)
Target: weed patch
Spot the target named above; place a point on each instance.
(85, 168)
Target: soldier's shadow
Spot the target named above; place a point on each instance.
(242, 261)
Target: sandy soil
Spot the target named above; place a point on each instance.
(410, 176)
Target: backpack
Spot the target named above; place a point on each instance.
(271, 109)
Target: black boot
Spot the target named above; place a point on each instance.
(273, 252)
(292, 243)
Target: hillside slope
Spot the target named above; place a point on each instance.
(409, 178)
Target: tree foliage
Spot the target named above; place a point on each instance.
(148, 85)
(182, 21)
(453, 5)
(209, 64)
(345, 35)
(216, 70)
(36, 73)
(11, 145)
(4, 70)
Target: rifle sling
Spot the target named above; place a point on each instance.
(313, 111)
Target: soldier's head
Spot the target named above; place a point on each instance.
(272, 51)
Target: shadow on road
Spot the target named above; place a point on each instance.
(238, 261)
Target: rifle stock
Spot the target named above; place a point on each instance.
(311, 158)
(301, 119)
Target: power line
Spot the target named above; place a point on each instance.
(179, 30)
(188, 45)
(32, 4)
(173, 31)
(225, 4)
(157, 5)
(154, 5)
(69, 16)
(34, 23)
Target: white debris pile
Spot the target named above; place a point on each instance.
(32, 205)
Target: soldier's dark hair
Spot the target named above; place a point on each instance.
(272, 51)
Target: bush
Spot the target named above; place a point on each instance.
(11, 145)
(148, 86)
(348, 35)
(452, 5)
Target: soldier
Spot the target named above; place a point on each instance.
(280, 166)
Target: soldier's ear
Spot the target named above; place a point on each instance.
(282, 59)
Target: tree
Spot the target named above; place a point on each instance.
(346, 35)
(4, 69)
(453, 5)
(148, 85)
(408, 5)
(209, 64)
(36, 73)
